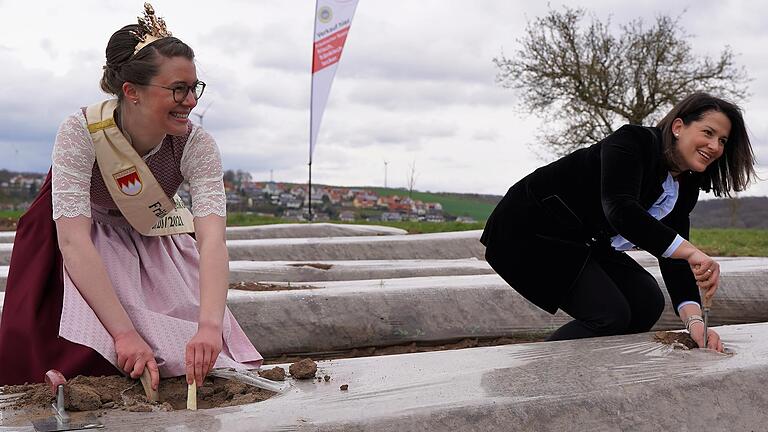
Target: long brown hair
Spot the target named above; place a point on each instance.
(735, 169)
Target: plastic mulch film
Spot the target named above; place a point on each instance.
(604, 384)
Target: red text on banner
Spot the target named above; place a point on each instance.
(328, 49)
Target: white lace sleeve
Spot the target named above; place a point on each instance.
(73, 158)
(201, 167)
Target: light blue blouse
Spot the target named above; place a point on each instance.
(662, 207)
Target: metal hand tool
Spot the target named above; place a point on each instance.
(61, 420)
(706, 305)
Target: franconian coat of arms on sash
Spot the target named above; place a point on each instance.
(135, 190)
(128, 181)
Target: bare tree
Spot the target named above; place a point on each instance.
(411, 179)
(586, 81)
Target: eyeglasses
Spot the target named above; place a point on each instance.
(180, 91)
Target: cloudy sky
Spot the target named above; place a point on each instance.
(416, 82)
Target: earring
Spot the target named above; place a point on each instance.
(677, 135)
(135, 101)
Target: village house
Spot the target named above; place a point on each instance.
(365, 200)
(347, 216)
(294, 215)
(291, 200)
(233, 198)
(434, 218)
(391, 217)
(22, 185)
(317, 200)
(252, 190)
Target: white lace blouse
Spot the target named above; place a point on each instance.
(73, 158)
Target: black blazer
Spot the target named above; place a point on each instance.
(542, 232)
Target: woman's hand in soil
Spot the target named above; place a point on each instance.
(202, 351)
(134, 354)
(713, 339)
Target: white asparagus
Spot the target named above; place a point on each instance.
(192, 396)
(146, 382)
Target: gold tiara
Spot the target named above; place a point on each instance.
(151, 28)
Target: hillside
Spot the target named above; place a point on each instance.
(746, 212)
(477, 206)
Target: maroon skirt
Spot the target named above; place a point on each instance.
(29, 330)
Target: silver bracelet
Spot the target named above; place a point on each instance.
(690, 320)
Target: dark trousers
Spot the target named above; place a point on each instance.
(614, 295)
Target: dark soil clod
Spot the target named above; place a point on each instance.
(303, 369)
(275, 374)
(677, 340)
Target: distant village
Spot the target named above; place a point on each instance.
(284, 200)
(17, 190)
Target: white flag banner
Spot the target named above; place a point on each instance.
(333, 19)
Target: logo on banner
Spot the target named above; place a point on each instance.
(325, 14)
(128, 181)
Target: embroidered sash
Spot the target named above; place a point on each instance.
(129, 180)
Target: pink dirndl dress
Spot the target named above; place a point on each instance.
(155, 278)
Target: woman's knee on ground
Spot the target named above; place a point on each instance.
(645, 315)
(612, 321)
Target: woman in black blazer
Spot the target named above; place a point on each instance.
(558, 235)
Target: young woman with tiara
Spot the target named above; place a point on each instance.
(105, 275)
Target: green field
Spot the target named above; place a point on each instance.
(731, 241)
(478, 207)
(8, 219)
(713, 241)
(428, 227)
(245, 219)
(10, 214)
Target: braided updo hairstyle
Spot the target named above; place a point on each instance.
(122, 66)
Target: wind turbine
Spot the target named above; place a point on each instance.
(385, 173)
(16, 156)
(202, 113)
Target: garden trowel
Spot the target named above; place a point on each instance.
(61, 420)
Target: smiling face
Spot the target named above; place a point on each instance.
(702, 141)
(157, 103)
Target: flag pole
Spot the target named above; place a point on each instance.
(310, 191)
(334, 18)
(311, 92)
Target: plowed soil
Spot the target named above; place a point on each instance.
(7, 224)
(677, 340)
(413, 347)
(84, 393)
(262, 286)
